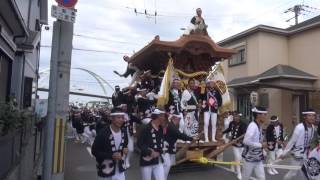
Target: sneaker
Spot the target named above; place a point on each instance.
(201, 141)
(239, 176)
(233, 169)
(270, 171)
(275, 171)
(188, 142)
(214, 140)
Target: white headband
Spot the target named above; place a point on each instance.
(308, 112)
(157, 111)
(274, 120)
(258, 111)
(117, 114)
(140, 90)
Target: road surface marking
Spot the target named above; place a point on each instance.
(229, 170)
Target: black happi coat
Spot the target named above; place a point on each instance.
(216, 96)
(171, 135)
(130, 101)
(150, 138)
(103, 148)
(237, 130)
(174, 103)
(272, 138)
(144, 106)
(129, 124)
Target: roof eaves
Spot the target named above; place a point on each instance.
(286, 32)
(303, 28)
(288, 76)
(253, 30)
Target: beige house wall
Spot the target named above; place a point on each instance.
(286, 114)
(263, 51)
(275, 106)
(273, 50)
(304, 52)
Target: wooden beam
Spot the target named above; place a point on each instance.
(222, 148)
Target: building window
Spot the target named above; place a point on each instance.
(27, 96)
(5, 75)
(238, 58)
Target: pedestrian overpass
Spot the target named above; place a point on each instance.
(104, 86)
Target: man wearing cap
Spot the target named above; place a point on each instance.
(171, 135)
(150, 142)
(117, 96)
(173, 104)
(274, 135)
(211, 102)
(110, 148)
(299, 143)
(237, 129)
(253, 146)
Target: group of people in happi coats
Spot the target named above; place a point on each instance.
(160, 129)
(304, 160)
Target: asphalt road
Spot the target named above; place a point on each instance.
(80, 165)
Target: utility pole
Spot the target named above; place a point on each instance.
(298, 10)
(58, 103)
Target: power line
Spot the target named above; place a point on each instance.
(100, 39)
(93, 50)
(103, 39)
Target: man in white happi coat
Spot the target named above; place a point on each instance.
(299, 144)
(190, 105)
(253, 146)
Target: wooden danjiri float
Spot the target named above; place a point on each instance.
(193, 55)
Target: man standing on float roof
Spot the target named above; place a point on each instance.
(253, 146)
(299, 144)
(110, 148)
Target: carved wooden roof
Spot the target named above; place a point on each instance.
(200, 51)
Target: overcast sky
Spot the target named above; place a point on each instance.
(113, 27)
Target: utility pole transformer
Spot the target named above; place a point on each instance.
(58, 104)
